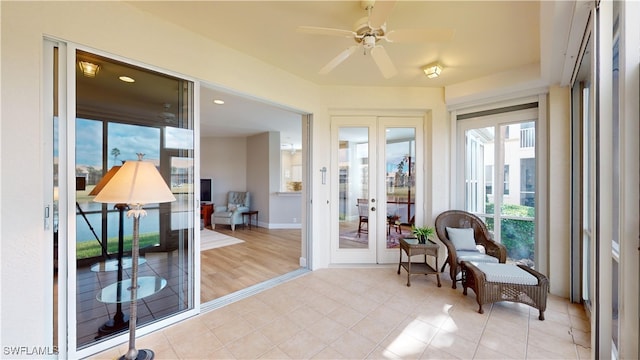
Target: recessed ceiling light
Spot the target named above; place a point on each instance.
(126, 79)
(218, 102)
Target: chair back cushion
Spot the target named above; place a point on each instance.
(363, 207)
(237, 199)
(462, 238)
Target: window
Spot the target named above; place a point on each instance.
(488, 179)
(505, 191)
(490, 155)
(527, 182)
(291, 165)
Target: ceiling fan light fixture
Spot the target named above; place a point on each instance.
(432, 70)
(89, 69)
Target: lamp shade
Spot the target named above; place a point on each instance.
(136, 182)
(104, 181)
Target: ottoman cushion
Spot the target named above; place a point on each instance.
(506, 273)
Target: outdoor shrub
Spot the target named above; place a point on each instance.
(517, 235)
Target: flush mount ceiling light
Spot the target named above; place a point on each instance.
(89, 69)
(218, 102)
(432, 70)
(127, 79)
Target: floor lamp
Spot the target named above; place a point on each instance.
(136, 183)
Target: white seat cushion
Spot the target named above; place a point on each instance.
(506, 273)
(475, 256)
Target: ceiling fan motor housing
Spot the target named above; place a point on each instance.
(366, 35)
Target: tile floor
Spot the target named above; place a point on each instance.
(370, 313)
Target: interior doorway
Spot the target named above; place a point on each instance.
(242, 142)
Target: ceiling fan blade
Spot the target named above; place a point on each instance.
(420, 35)
(326, 31)
(382, 59)
(338, 59)
(380, 12)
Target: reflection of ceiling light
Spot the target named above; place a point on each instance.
(218, 102)
(432, 70)
(126, 79)
(89, 69)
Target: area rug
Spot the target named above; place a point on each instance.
(393, 239)
(210, 239)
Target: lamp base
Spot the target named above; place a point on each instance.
(143, 354)
(118, 323)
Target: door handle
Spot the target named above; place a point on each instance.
(373, 208)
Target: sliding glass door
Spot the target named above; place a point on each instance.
(121, 110)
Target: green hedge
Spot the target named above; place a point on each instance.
(88, 249)
(517, 235)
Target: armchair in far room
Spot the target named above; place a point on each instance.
(231, 213)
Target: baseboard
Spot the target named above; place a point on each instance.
(281, 226)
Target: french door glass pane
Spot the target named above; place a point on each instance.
(400, 182)
(353, 157)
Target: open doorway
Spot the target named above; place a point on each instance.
(253, 147)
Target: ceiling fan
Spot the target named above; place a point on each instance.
(166, 115)
(369, 30)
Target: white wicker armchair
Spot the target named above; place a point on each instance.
(231, 214)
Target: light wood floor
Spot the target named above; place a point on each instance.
(265, 254)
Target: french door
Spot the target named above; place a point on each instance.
(377, 177)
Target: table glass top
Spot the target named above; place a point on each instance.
(120, 292)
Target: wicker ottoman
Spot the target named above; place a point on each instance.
(505, 282)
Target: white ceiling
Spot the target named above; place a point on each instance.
(489, 37)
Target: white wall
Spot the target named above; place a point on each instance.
(263, 173)
(559, 236)
(224, 161)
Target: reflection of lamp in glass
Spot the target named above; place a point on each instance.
(136, 183)
(120, 320)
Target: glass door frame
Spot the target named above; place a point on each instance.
(67, 336)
